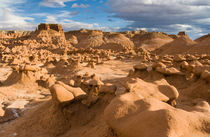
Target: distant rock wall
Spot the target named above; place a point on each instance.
(56, 27)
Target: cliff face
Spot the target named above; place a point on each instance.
(50, 34)
(56, 27)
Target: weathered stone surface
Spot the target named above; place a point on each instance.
(77, 92)
(60, 94)
(2, 112)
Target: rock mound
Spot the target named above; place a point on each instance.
(99, 40)
(202, 46)
(87, 38)
(151, 40)
(204, 38)
(117, 42)
(134, 116)
(180, 45)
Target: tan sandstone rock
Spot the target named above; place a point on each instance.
(60, 94)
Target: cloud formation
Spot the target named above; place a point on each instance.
(10, 20)
(54, 3)
(163, 14)
(75, 5)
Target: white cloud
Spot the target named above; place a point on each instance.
(10, 21)
(145, 29)
(61, 14)
(68, 24)
(54, 3)
(9, 18)
(75, 25)
(75, 5)
(10, 3)
(164, 15)
(190, 29)
(205, 21)
(51, 19)
(181, 27)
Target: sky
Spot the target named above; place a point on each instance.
(170, 16)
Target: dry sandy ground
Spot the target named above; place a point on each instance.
(21, 99)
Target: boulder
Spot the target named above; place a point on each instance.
(179, 58)
(184, 65)
(145, 89)
(30, 68)
(71, 82)
(159, 64)
(130, 115)
(141, 66)
(159, 89)
(77, 92)
(93, 81)
(169, 71)
(60, 94)
(107, 88)
(206, 75)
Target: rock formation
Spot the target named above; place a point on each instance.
(92, 83)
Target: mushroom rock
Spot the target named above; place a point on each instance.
(50, 81)
(78, 81)
(77, 92)
(60, 94)
(98, 60)
(75, 64)
(93, 81)
(91, 86)
(91, 64)
(25, 75)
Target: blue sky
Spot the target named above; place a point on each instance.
(170, 16)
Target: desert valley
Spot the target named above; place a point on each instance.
(90, 83)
